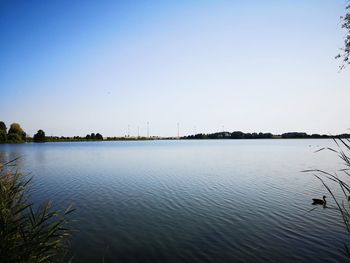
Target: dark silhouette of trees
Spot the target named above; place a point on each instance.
(260, 135)
(303, 135)
(94, 137)
(39, 136)
(3, 132)
(199, 136)
(99, 137)
(291, 135)
(231, 135)
(237, 135)
(16, 134)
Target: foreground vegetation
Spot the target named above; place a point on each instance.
(338, 181)
(28, 232)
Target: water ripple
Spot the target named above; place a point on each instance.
(207, 201)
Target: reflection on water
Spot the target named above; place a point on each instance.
(189, 201)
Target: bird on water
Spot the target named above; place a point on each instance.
(319, 201)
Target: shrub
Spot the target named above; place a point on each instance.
(39, 136)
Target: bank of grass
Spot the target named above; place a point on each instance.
(29, 232)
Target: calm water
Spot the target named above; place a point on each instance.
(189, 201)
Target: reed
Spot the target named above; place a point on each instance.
(340, 178)
(29, 232)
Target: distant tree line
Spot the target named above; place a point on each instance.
(260, 135)
(125, 138)
(15, 134)
(293, 135)
(231, 135)
(88, 137)
(64, 139)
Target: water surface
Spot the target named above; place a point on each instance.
(189, 201)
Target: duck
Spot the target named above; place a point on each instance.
(319, 201)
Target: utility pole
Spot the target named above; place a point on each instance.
(178, 130)
(138, 131)
(148, 129)
(128, 130)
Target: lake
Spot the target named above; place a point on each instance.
(189, 201)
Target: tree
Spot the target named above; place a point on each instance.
(39, 136)
(94, 136)
(3, 132)
(345, 51)
(99, 137)
(16, 133)
(14, 138)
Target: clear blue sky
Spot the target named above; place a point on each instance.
(75, 67)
